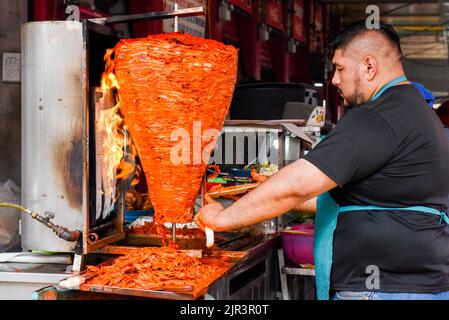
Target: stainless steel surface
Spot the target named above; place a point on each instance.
(292, 148)
(153, 294)
(24, 277)
(284, 283)
(58, 131)
(298, 271)
(53, 117)
(151, 16)
(265, 243)
(78, 263)
(18, 281)
(245, 142)
(21, 290)
(256, 277)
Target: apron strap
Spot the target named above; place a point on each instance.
(388, 85)
(422, 209)
(325, 224)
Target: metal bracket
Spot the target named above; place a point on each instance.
(78, 263)
(284, 283)
(49, 215)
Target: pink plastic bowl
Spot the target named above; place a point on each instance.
(298, 244)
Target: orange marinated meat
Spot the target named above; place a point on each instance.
(167, 83)
(156, 268)
(258, 177)
(150, 228)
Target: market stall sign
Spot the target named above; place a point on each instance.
(318, 18)
(318, 32)
(298, 21)
(273, 14)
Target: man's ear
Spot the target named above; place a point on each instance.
(370, 65)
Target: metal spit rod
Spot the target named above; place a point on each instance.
(176, 27)
(173, 226)
(196, 11)
(210, 236)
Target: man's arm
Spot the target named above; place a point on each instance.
(307, 207)
(295, 184)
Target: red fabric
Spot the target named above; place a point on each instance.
(443, 113)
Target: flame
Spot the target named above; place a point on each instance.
(108, 79)
(115, 134)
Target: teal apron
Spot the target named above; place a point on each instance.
(326, 222)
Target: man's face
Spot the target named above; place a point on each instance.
(347, 79)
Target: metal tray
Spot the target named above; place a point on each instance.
(179, 293)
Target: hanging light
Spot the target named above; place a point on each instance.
(264, 32)
(224, 11)
(292, 44)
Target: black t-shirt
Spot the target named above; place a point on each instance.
(391, 152)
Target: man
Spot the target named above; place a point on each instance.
(385, 165)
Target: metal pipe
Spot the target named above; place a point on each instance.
(151, 16)
(92, 13)
(61, 232)
(102, 227)
(176, 26)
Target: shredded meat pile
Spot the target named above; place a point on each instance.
(174, 88)
(155, 268)
(150, 228)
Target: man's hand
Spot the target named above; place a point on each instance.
(208, 216)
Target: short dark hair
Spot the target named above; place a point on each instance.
(345, 37)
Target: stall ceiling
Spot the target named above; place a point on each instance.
(422, 25)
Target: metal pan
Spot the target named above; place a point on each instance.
(188, 292)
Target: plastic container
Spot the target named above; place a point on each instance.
(268, 227)
(131, 216)
(240, 173)
(297, 243)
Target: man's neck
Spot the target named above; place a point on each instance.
(387, 80)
